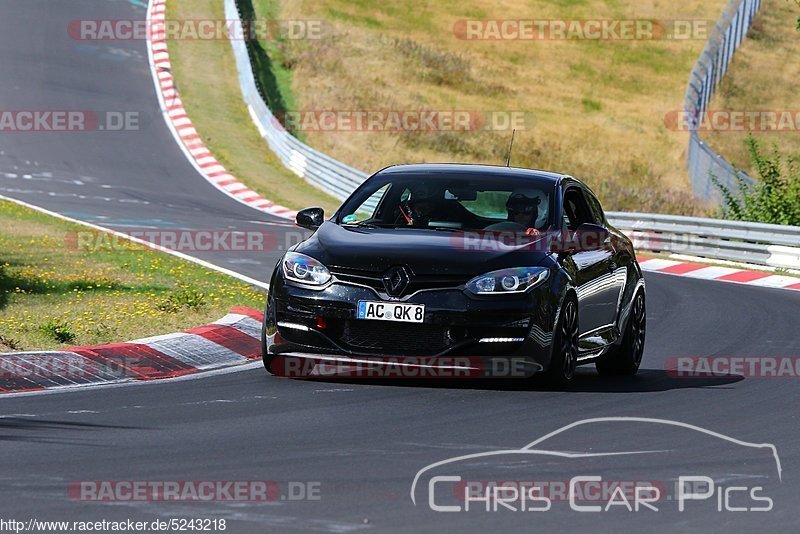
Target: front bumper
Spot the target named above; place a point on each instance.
(320, 326)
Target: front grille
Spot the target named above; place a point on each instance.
(398, 339)
(374, 280)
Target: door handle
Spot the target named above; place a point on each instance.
(612, 266)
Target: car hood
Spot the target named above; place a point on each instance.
(426, 252)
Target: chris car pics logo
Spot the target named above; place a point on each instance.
(607, 481)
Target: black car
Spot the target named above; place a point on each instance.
(440, 263)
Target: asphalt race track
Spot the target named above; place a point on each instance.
(124, 180)
(355, 444)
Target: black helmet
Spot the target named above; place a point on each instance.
(523, 202)
(411, 207)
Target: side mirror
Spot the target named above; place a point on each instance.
(562, 243)
(311, 218)
(590, 236)
(587, 237)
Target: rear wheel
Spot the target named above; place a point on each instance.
(565, 346)
(625, 359)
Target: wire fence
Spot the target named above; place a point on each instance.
(765, 244)
(711, 67)
(339, 179)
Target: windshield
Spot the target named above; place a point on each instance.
(464, 202)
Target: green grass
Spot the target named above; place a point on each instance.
(762, 76)
(206, 77)
(53, 295)
(369, 22)
(599, 106)
(590, 105)
(272, 58)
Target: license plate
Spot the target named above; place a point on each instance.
(390, 311)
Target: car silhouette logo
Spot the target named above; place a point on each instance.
(396, 280)
(538, 448)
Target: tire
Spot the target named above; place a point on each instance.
(565, 346)
(266, 357)
(625, 359)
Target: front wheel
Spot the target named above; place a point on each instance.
(266, 357)
(625, 359)
(565, 346)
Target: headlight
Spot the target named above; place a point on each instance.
(304, 269)
(505, 281)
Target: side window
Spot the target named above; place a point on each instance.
(576, 212)
(596, 209)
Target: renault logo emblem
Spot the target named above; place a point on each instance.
(395, 280)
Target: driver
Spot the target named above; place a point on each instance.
(523, 209)
(416, 210)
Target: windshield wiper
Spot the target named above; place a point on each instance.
(446, 229)
(361, 224)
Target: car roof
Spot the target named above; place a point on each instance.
(466, 169)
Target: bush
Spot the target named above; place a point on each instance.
(774, 199)
(184, 298)
(59, 331)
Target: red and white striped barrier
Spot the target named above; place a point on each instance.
(722, 274)
(181, 125)
(232, 340)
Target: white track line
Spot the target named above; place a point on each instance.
(180, 125)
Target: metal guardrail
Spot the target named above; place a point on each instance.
(702, 161)
(761, 244)
(339, 180)
(320, 170)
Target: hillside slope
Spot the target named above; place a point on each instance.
(762, 77)
(594, 109)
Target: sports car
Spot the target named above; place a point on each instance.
(454, 265)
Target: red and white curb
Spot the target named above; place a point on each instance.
(722, 274)
(235, 339)
(181, 125)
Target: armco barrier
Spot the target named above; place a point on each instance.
(339, 179)
(762, 244)
(710, 68)
(318, 169)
